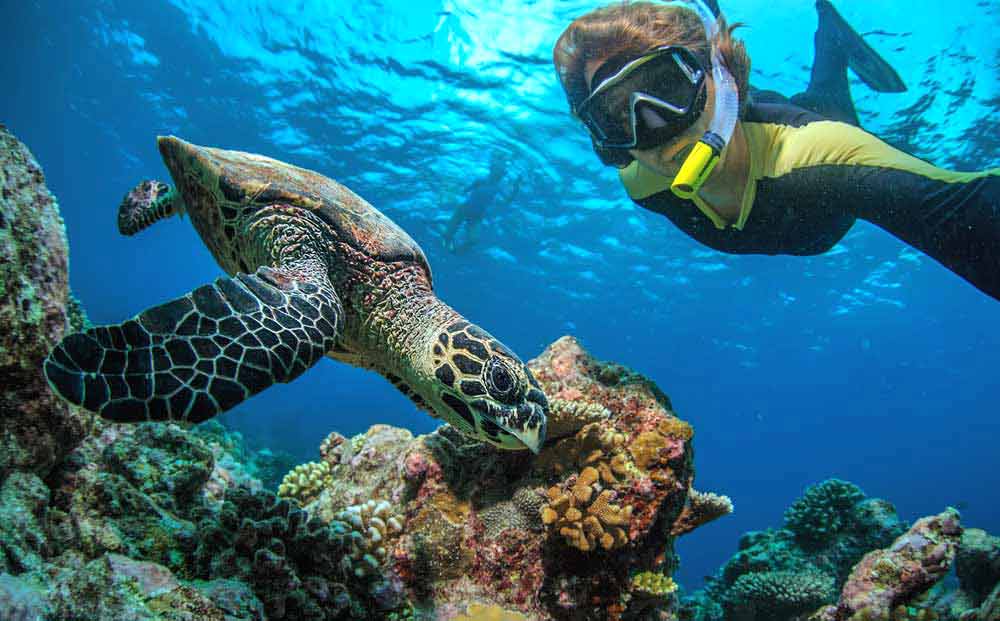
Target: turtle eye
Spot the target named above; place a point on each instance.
(501, 381)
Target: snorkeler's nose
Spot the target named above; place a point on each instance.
(651, 118)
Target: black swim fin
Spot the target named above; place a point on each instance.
(861, 58)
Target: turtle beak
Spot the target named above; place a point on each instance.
(533, 433)
(525, 422)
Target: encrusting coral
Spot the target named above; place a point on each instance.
(767, 559)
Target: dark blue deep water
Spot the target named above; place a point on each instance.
(870, 363)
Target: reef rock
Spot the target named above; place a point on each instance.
(36, 428)
(887, 579)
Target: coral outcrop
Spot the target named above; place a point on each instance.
(36, 428)
(584, 530)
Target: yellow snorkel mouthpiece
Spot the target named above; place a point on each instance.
(697, 166)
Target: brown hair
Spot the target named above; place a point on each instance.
(629, 30)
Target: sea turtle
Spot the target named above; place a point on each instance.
(314, 270)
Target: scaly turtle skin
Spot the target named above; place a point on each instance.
(314, 270)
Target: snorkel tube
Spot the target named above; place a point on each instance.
(726, 102)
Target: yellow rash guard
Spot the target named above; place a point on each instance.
(810, 178)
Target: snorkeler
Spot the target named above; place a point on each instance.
(483, 194)
(663, 90)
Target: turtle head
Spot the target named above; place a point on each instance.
(484, 390)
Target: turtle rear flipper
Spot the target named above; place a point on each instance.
(201, 354)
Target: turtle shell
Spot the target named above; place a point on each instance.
(209, 177)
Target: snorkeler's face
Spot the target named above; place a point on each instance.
(667, 157)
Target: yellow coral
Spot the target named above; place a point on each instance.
(675, 427)
(306, 481)
(653, 584)
(646, 447)
(479, 612)
(607, 513)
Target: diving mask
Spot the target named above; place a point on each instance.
(668, 83)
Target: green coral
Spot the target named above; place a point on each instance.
(305, 482)
(770, 596)
(823, 511)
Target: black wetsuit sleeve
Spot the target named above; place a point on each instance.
(956, 222)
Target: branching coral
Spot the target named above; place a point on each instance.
(283, 553)
(372, 525)
(306, 481)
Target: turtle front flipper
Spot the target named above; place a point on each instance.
(201, 354)
(146, 203)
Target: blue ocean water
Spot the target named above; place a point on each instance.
(870, 363)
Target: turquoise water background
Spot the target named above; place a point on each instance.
(870, 363)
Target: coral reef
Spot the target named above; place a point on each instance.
(36, 429)
(886, 579)
(102, 521)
